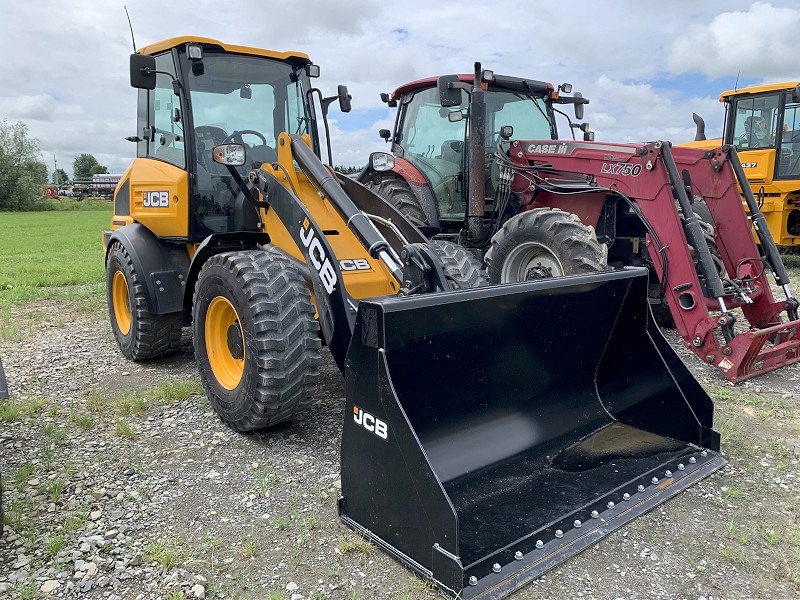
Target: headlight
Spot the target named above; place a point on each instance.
(381, 161)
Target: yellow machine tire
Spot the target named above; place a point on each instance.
(255, 337)
(544, 242)
(140, 334)
(460, 265)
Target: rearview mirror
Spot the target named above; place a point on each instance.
(579, 107)
(449, 93)
(232, 155)
(344, 99)
(143, 71)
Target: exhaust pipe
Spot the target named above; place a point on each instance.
(477, 158)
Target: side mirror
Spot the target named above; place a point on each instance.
(385, 134)
(232, 155)
(143, 71)
(344, 99)
(579, 107)
(449, 92)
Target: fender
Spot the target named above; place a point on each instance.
(214, 244)
(162, 266)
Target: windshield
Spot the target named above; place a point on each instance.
(242, 99)
(755, 121)
(436, 145)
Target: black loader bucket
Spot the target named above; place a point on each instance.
(492, 433)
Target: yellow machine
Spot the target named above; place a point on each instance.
(465, 408)
(763, 122)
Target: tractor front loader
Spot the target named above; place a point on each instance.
(479, 447)
(536, 208)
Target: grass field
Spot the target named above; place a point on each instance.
(40, 251)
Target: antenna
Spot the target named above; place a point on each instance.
(736, 85)
(131, 26)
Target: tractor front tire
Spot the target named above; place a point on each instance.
(255, 338)
(140, 334)
(460, 265)
(541, 243)
(399, 194)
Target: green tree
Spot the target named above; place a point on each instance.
(60, 176)
(22, 173)
(85, 165)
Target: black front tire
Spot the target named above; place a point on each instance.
(255, 338)
(541, 243)
(460, 265)
(400, 195)
(140, 334)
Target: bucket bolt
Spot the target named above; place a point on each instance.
(709, 358)
(539, 544)
(577, 523)
(692, 460)
(681, 467)
(704, 453)
(640, 488)
(626, 496)
(654, 480)
(727, 351)
(668, 473)
(517, 555)
(473, 580)
(496, 567)
(610, 505)
(697, 341)
(559, 533)
(595, 514)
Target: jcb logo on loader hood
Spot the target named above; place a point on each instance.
(316, 252)
(370, 423)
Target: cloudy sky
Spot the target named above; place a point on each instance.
(645, 66)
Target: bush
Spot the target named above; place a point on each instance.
(22, 174)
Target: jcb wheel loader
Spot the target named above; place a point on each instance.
(464, 424)
(476, 159)
(763, 122)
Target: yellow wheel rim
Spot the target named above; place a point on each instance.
(224, 343)
(121, 302)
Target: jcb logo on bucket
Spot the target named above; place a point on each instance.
(316, 253)
(370, 423)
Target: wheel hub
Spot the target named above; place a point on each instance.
(235, 345)
(538, 272)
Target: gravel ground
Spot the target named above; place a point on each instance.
(121, 483)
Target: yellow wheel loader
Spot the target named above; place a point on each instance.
(763, 122)
(490, 432)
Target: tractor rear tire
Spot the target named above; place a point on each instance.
(255, 338)
(400, 195)
(460, 265)
(140, 334)
(544, 242)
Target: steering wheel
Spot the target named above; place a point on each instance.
(236, 136)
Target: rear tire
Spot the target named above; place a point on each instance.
(140, 334)
(541, 243)
(400, 195)
(255, 338)
(460, 265)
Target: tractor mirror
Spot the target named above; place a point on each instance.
(449, 92)
(232, 155)
(579, 107)
(143, 71)
(344, 99)
(385, 134)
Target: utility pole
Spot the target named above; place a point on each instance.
(56, 178)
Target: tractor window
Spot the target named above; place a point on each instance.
(435, 145)
(755, 121)
(165, 117)
(789, 163)
(527, 116)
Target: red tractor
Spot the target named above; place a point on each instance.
(477, 159)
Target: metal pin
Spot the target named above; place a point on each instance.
(559, 533)
(577, 523)
(610, 505)
(539, 544)
(518, 555)
(681, 467)
(640, 488)
(692, 460)
(595, 514)
(626, 496)
(473, 580)
(496, 567)
(668, 473)
(654, 480)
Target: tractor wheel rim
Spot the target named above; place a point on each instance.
(528, 256)
(225, 343)
(120, 299)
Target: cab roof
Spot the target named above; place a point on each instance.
(759, 89)
(233, 48)
(500, 81)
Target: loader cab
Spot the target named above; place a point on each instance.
(435, 138)
(206, 94)
(764, 124)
